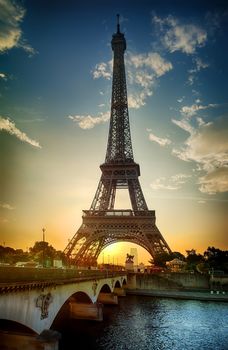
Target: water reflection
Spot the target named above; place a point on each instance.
(146, 323)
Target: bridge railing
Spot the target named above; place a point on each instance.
(27, 274)
(111, 213)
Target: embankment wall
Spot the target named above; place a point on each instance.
(168, 281)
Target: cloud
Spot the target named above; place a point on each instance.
(138, 99)
(142, 72)
(151, 60)
(172, 183)
(184, 124)
(215, 181)
(199, 65)
(6, 206)
(88, 122)
(9, 126)
(181, 99)
(159, 140)
(3, 76)
(207, 146)
(103, 70)
(11, 17)
(176, 36)
(190, 111)
(4, 220)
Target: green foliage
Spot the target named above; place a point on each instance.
(216, 259)
(42, 252)
(161, 259)
(11, 256)
(193, 260)
(177, 255)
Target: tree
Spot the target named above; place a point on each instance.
(42, 252)
(11, 256)
(193, 259)
(216, 259)
(177, 255)
(160, 259)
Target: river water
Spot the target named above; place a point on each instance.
(148, 323)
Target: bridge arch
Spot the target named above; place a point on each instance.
(81, 298)
(105, 289)
(117, 284)
(14, 326)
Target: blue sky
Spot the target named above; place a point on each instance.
(55, 89)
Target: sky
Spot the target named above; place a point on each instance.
(55, 90)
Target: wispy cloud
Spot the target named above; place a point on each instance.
(143, 70)
(103, 70)
(184, 124)
(11, 16)
(181, 99)
(173, 183)
(3, 76)
(198, 66)
(88, 122)
(178, 36)
(190, 111)
(159, 140)
(214, 181)
(152, 60)
(9, 126)
(207, 146)
(6, 206)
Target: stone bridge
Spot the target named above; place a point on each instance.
(43, 294)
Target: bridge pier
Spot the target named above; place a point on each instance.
(86, 311)
(47, 340)
(108, 298)
(120, 292)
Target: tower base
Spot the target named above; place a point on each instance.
(102, 228)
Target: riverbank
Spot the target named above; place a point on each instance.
(176, 294)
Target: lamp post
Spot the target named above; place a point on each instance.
(43, 230)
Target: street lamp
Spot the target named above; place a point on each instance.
(43, 230)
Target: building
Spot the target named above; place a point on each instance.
(134, 252)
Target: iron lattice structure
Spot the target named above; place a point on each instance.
(102, 225)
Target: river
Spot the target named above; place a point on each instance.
(148, 323)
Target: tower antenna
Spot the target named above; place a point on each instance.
(118, 23)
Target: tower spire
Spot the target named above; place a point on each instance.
(118, 23)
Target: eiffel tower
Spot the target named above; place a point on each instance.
(103, 225)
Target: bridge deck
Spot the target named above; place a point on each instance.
(21, 278)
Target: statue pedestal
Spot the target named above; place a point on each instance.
(129, 266)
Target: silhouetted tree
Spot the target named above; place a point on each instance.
(193, 259)
(216, 259)
(42, 252)
(11, 256)
(160, 259)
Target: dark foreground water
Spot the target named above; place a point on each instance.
(147, 323)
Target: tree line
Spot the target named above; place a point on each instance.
(213, 259)
(42, 253)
